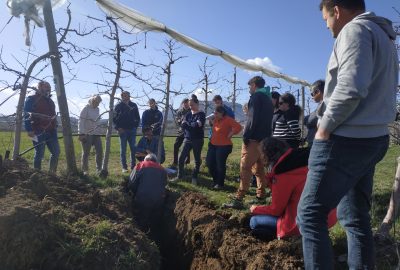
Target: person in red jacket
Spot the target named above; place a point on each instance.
(286, 178)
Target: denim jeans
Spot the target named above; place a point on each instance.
(216, 162)
(263, 225)
(341, 172)
(50, 139)
(196, 145)
(127, 136)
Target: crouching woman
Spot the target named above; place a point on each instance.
(287, 173)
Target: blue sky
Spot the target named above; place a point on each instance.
(291, 35)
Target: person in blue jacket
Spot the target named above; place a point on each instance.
(148, 144)
(153, 118)
(41, 125)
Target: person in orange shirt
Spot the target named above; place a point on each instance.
(220, 145)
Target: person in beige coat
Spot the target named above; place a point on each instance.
(90, 133)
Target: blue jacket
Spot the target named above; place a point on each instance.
(191, 126)
(144, 144)
(152, 118)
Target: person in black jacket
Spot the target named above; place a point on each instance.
(193, 126)
(126, 120)
(180, 116)
(147, 185)
(258, 127)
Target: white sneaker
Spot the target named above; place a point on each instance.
(124, 170)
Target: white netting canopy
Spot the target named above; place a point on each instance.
(144, 23)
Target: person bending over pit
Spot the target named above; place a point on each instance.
(147, 184)
(287, 176)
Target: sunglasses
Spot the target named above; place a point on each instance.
(315, 92)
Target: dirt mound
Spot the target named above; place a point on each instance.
(48, 222)
(218, 240)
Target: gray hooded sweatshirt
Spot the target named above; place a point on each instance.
(361, 80)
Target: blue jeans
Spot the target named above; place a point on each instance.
(263, 225)
(341, 172)
(196, 145)
(50, 139)
(127, 136)
(216, 162)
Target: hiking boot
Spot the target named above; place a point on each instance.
(194, 181)
(258, 200)
(235, 204)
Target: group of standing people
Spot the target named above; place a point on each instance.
(309, 186)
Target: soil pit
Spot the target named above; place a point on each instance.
(48, 222)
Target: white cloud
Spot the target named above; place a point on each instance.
(264, 62)
(200, 94)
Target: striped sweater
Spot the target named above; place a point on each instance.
(286, 127)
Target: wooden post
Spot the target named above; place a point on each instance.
(59, 87)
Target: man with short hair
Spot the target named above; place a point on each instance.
(41, 125)
(352, 136)
(258, 127)
(148, 144)
(218, 102)
(126, 120)
(153, 118)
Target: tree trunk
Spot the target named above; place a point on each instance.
(20, 106)
(104, 167)
(394, 204)
(165, 118)
(60, 90)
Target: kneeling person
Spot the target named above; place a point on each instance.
(147, 183)
(148, 144)
(286, 179)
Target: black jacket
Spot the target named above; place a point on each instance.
(126, 116)
(259, 118)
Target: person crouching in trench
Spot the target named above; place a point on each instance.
(147, 184)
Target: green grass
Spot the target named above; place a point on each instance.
(384, 176)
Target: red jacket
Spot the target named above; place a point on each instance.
(286, 189)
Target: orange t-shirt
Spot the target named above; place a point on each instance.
(221, 129)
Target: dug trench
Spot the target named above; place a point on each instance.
(50, 222)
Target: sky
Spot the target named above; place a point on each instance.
(287, 36)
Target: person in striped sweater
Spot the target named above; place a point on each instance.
(286, 125)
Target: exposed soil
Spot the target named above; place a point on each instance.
(205, 238)
(48, 222)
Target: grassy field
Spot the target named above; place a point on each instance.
(384, 176)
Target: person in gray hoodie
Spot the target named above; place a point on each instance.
(89, 133)
(352, 135)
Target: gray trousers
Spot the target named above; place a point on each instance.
(86, 146)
